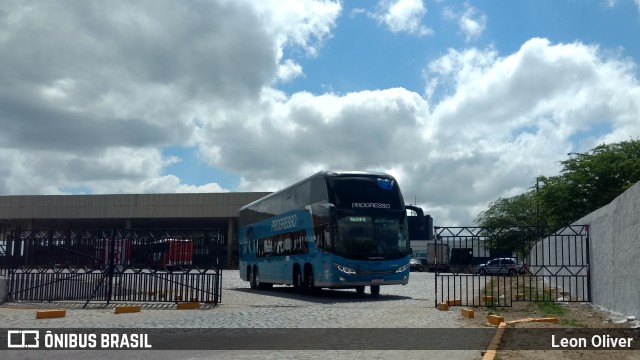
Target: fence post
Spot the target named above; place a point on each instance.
(11, 250)
(111, 264)
(588, 264)
(436, 271)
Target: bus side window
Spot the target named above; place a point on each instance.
(326, 235)
(305, 245)
(277, 242)
(319, 235)
(259, 247)
(323, 237)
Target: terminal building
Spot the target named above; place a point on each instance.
(130, 211)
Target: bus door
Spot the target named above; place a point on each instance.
(283, 252)
(269, 263)
(293, 248)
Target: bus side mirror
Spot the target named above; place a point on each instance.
(333, 213)
(421, 218)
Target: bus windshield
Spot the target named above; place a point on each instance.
(365, 193)
(371, 237)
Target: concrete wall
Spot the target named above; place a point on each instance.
(614, 234)
(613, 259)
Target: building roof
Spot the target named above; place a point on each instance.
(123, 206)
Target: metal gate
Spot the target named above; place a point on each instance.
(150, 265)
(483, 266)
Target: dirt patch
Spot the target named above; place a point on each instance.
(530, 297)
(575, 320)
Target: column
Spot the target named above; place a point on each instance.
(230, 241)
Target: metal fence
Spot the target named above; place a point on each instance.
(149, 265)
(3, 255)
(497, 266)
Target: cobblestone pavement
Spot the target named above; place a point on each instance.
(410, 306)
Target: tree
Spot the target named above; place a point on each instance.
(505, 212)
(507, 224)
(589, 181)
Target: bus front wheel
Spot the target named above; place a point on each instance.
(375, 289)
(258, 284)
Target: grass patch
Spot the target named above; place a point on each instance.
(571, 322)
(550, 308)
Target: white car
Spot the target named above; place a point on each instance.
(416, 264)
(507, 266)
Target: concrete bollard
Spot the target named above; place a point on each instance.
(126, 309)
(495, 319)
(48, 314)
(188, 305)
(466, 312)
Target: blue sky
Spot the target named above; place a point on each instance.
(362, 54)
(462, 101)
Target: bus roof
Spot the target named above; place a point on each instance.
(324, 174)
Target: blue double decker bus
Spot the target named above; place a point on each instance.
(330, 230)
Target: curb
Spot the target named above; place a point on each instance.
(490, 354)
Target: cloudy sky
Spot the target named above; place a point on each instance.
(463, 102)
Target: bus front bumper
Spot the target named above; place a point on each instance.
(349, 283)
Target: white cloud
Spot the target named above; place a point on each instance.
(613, 3)
(503, 121)
(471, 23)
(97, 89)
(509, 119)
(402, 16)
(289, 70)
(93, 95)
(172, 184)
(304, 23)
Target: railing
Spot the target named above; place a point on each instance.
(168, 265)
(496, 266)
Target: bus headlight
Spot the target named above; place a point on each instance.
(344, 269)
(402, 268)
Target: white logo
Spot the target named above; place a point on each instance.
(370, 205)
(22, 339)
(283, 223)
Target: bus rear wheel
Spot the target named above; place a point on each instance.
(297, 281)
(375, 289)
(310, 286)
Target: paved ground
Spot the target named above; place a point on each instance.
(410, 306)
